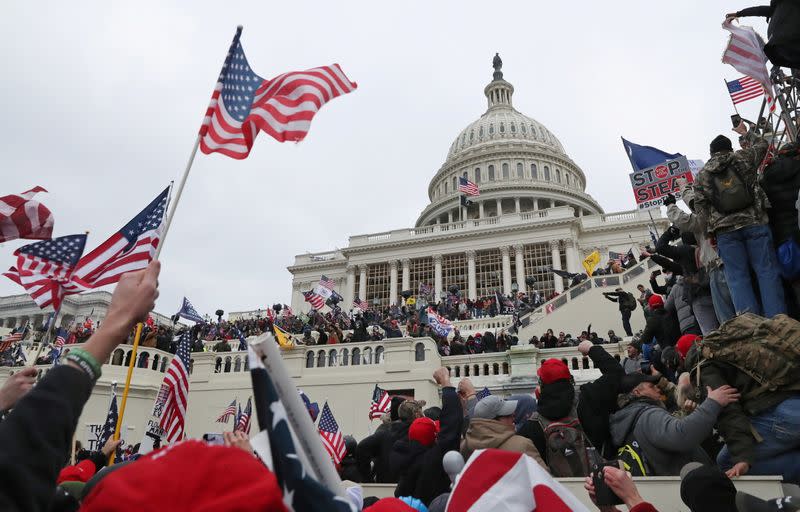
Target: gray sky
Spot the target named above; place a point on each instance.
(102, 102)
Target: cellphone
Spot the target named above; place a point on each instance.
(656, 272)
(602, 492)
(736, 120)
(646, 367)
(214, 439)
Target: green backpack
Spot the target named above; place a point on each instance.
(730, 192)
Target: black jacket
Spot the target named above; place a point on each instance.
(421, 473)
(36, 436)
(377, 448)
(661, 325)
(596, 401)
(781, 182)
(350, 470)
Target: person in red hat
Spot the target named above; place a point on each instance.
(591, 406)
(660, 326)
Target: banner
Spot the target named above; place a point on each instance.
(590, 262)
(651, 185)
(696, 165)
(439, 324)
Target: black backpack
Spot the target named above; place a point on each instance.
(566, 446)
(628, 301)
(729, 191)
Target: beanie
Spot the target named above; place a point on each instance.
(423, 431)
(655, 302)
(720, 143)
(685, 342)
(553, 370)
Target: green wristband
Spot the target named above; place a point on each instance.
(86, 361)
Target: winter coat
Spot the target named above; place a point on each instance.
(781, 182)
(663, 326)
(483, 433)
(632, 365)
(420, 468)
(679, 302)
(349, 470)
(668, 443)
(378, 448)
(709, 257)
(746, 161)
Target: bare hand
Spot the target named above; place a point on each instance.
(135, 295)
(585, 346)
(110, 446)
(237, 440)
(16, 386)
(465, 388)
(738, 469)
(689, 406)
(442, 377)
(723, 395)
(741, 128)
(622, 484)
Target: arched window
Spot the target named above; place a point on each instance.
(534, 133)
(520, 170)
(502, 127)
(164, 364)
(491, 173)
(465, 175)
(237, 364)
(143, 358)
(309, 359)
(534, 172)
(345, 357)
(379, 355)
(476, 370)
(419, 352)
(546, 173)
(480, 132)
(155, 363)
(505, 171)
(356, 357)
(116, 359)
(128, 358)
(569, 176)
(455, 183)
(486, 369)
(333, 358)
(367, 355)
(471, 135)
(505, 368)
(321, 359)
(477, 175)
(513, 128)
(228, 364)
(524, 130)
(491, 128)
(495, 369)
(445, 187)
(574, 363)
(458, 371)
(558, 175)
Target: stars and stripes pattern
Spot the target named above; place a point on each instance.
(480, 395)
(228, 413)
(111, 419)
(314, 299)
(745, 53)
(22, 217)
(381, 403)
(12, 338)
(61, 338)
(243, 103)
(743, 89)
(46, 269)
(243, 425)
(439, 324)
(173, 418)
(467, 187)
(327, 282)
(332, 438)
(361, 304)
(129, 249)
(188, 312)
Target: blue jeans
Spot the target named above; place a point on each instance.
(741, 249)
(779, 453)
(721, 295)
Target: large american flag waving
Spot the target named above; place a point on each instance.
(244, 103)
(176, 386)
(22, 217)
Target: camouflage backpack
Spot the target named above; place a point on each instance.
(729, 191)
(768, 350)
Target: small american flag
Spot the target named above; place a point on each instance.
(21, 217)
(244, 419)
(332, 438)
(480, 395)
(327, 282)
(173, 418)
(61, 338)
(228, 413)
(744, 89)
(243, 103)
(467, 187)
(361, 304)
(381, 403)
(745, 53)
(111, 419)
(45, 269)
(314, 299)
(12, 338)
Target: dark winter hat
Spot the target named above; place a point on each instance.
(706, 488)
(721, 143)
(630, 381)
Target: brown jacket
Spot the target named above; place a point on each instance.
(150, 340)
(484, 433)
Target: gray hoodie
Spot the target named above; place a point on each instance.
(669, 443)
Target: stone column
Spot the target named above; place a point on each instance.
(297, 297)
(573, 257)
(362, 283)
(480, 209)
(437, 275)
(504, 252)
(552, 203)
(406, 273)
(393, 282)
(472, 292)
(535, 203)
(499, 207)
(556, 255)
(516, 205)
(450, 217)
(350, 288)
(520, 263)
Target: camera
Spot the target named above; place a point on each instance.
(602, 492)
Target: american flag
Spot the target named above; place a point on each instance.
(111, 419)
(424, 289)
(467, 187)
(332, 438)
(745, 53)
(327, 282)
(480, 395)
(228, 413)
(131, 248)
(243, 424)
(12, 338)
(61, 338)
(301, 492)
(244, 103)
(173, 418)
(361, 304)
(314, 299)
(46, 269)
(188, 312)
(743, 89)
(21, 217)
(381, 403)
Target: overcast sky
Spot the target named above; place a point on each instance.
(102, 102)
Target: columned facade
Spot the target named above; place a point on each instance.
(504, 252)
(519, 264)
(393, 282)
(362, 282)
(555, 249)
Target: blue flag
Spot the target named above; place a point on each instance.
(242, 340)
(642, 157)
(480, 395)
(188, 312)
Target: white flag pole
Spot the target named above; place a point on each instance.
(174, 205)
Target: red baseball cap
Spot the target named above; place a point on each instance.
(655, 301)
(553, 370)
(685, 342)
(209, 478)
(390, 505)
(80, 472)
(423, 430)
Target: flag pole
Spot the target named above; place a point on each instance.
(132, 363)
(45, 338)
(731, 97)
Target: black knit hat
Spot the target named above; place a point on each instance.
(721, 143)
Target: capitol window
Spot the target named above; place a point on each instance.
(513, 128)
(533, 132)
(546, 174)
(502, 128)
(491, 173)
(558, 175)
(480, 132)
(455, 183)
(569, 179)
(471, 135)
(522, 127)
(520, 170)
(534, 172)
(477, 175)
(491, 128)
(445, 187)
(505, 171)
(465, 175)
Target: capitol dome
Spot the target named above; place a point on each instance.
(517, 163)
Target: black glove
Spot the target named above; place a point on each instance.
(670, 199)
(673, 233)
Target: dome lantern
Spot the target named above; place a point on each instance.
(499, 92)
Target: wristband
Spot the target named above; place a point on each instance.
(86, 362)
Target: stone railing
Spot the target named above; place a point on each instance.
(483, 324)
(595, 221)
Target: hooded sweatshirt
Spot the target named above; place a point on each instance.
(483, 433)
(668, 443)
